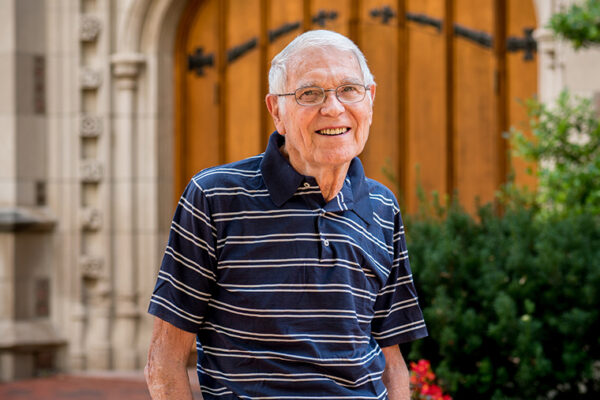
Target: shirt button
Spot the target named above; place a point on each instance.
(326, 242)
(306, 184)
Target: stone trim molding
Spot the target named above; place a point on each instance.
(91, 171)
(90, 78)
(90, 126)
(20, 334)
(92, 267)
(126, 68)
(90, 27)
(91, 219)
(21, 219)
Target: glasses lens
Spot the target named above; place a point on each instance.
(310, 95)
(350, 93)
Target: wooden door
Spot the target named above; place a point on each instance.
(448, 74)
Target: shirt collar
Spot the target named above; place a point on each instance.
(282, 180)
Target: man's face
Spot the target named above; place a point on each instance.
(331, 134)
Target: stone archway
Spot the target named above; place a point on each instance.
(141, 164)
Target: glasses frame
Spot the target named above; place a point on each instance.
(335, 90)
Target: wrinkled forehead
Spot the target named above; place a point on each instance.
(321, 66)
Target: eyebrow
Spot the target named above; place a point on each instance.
(345, 81)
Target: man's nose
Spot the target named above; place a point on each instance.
(331, 105)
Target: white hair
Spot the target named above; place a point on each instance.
(322, 39)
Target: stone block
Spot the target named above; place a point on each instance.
(24, 90)
(16, 365)
(26, 192)
(23, 219)
(56, 149)
(8, 192)
(8, 147)
(92, 267)
(31, 26)
(91, 126)
(90, 27)
(7, 84)
(33, 294)
(34, 254)
(90, 78)
(91, 171)
(68, 159)
(166, 147)
(25, 342)
(32, 160)
(7, 26)
(581, 70)
(7, 270)
(91, 219)
(123, 206)
(146, 148)
(166, 101)
(146, 207)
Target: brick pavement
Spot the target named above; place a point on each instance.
(80, 387)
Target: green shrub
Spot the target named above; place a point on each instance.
(512, 299)
(580, 23)
(566, 147)
(512, 302)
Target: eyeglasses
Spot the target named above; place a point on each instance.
(314, 95)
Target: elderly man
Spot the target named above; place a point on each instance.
(290, 268)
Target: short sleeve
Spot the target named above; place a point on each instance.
(187, 274)
(398, 317)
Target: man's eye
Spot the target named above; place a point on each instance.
(310, 95)
(349, 89)
(309, 92)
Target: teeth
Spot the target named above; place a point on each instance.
(335, 131)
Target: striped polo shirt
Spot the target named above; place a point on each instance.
(290, 297)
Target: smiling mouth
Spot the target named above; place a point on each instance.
(333, 132)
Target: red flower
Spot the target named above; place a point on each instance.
(422, 382)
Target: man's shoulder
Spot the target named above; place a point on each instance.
(236, 174)
(381, 196)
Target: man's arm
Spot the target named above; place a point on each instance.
(166, 369)
(395, 375)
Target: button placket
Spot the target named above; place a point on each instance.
(321, 226)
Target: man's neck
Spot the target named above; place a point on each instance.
(330, 180)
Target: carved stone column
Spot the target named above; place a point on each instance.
(551, 65)
(125, 71)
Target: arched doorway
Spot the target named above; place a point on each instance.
(449, 73)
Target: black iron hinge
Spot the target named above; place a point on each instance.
(425, 20)
(526, 43)
(480, 37)
(385, 13)
(199, 60)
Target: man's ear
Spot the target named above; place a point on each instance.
(372, 92)
(275, 111)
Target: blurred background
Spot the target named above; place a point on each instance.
(108, 108)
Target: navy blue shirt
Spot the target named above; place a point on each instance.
(291, 297)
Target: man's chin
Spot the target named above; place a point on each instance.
(335, 160)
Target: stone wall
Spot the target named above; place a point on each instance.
(562, 67)
(28, 338)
